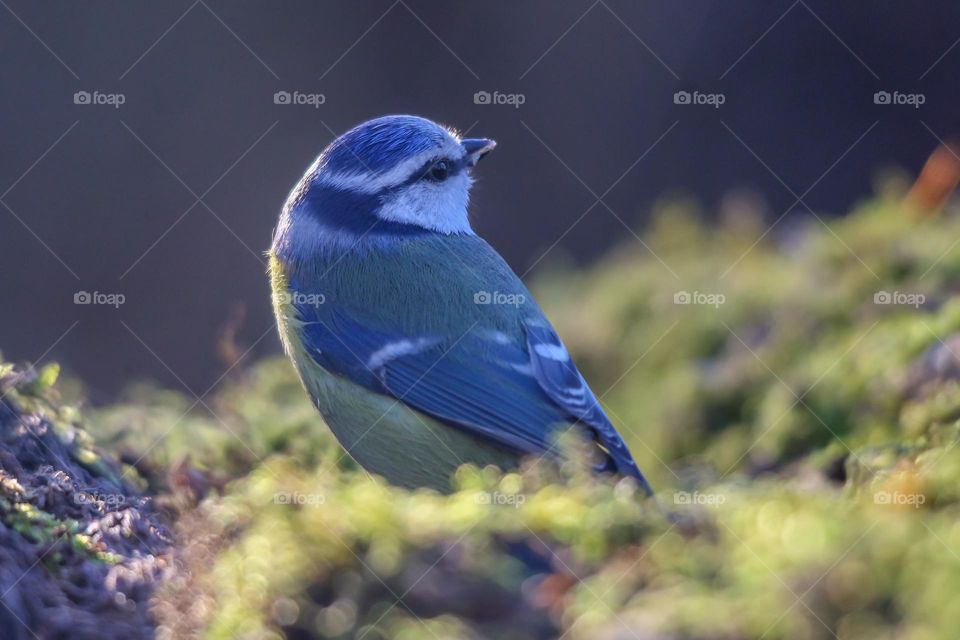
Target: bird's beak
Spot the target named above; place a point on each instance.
(476, 148)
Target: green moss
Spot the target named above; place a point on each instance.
(802, 444)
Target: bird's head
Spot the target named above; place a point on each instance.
(395, 172)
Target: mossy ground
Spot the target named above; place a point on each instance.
(81, 548)
(798, 418)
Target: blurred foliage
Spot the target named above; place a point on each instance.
(798, 416)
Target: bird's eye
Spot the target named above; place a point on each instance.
(439, 171)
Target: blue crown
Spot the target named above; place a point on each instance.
(380, 144)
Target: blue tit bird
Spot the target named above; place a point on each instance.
(420, 347)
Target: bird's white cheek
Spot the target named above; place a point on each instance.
(440, 207)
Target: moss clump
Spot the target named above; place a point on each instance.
(792, 395)
(80, 548)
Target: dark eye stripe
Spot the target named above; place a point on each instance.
(456, 166)
(425, 172)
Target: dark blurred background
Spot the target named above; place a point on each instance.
(104, 197)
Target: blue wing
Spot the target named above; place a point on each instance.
(493, 386)
(559, 377)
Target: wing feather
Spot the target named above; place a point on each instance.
(501, 389)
